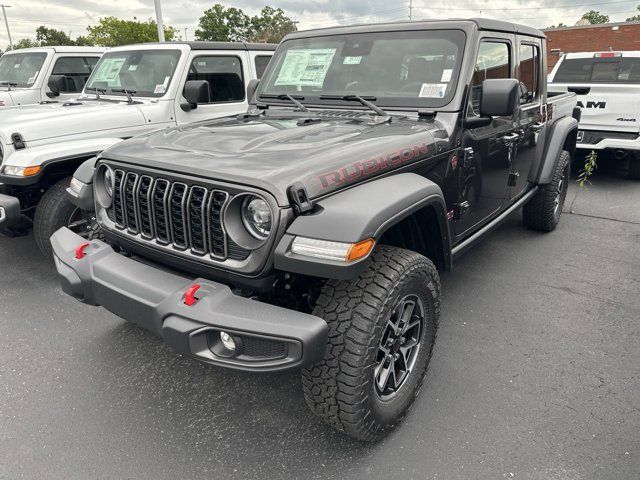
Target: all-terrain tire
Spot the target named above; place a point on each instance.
(55, 211)
(342, 389)
(634, 166)
(543, 211)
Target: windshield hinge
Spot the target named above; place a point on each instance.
(426, 113)
(299, 198)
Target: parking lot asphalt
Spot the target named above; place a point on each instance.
(536, 375)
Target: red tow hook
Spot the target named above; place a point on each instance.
(80, 251)
(190, 295)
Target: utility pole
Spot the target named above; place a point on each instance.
(410, 10)
(185, 34)
(158, 20)
(6, 22)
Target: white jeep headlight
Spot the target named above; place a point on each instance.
(21, 171)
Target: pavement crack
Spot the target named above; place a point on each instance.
(602, 218)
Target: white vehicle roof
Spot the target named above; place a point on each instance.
(268, 47)
(61, 49)
(624, 53)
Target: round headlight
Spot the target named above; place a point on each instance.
(103, 186)
(108, 181)
(257, 217)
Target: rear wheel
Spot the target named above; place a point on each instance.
(382, 329)
(543, 211)
(55, 211)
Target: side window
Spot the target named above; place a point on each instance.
(224, 74)
(76, 69)
(261, 64)
(529, 73)
(494, 61)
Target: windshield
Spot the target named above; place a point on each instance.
(21, 68)
(147, 73)
(599, 70)
(399, 69)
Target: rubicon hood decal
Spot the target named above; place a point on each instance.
(358, 170)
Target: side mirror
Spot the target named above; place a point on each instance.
(251, 89)
(57, 84)
(500, 97)
(196, 92)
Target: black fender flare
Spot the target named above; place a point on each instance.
(561, 131)
(81, 190)
(364, 211)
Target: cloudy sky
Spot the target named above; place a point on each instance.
(74, 15)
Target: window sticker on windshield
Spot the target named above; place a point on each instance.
(32, 80)
(109, 70)
(17, 65)
(352, 60)
(433, 90)
(162, 87)
(305, 67)
(133, 68)
(446, 75)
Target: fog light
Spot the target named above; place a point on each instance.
(227, 341)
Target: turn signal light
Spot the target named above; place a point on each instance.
(360, 249)
(31, 171)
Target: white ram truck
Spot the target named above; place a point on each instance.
(133, 90)
(25, 74)
(608, 89)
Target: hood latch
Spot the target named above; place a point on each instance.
(299, 198)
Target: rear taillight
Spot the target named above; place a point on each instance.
(608, 55)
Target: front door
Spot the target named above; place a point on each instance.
(227, 75)
(484, 172)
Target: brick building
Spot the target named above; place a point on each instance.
(588, 38)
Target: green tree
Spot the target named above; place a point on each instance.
(220, 24)
(560, 25)
(271, 26)
(24, 43)
(112, 31)
(635, 18)
(51, 37)
(595, 17)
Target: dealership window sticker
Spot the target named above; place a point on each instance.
(109, 70)
(306, 67)
(433, 90)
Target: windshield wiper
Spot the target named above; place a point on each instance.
(98, 91)
(128, 93)
(4, 83)
(286, 96)
(357, 98)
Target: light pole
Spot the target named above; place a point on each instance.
(4, 12)
(158, 20)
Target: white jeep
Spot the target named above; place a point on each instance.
(608, 89)
(133, 90)
(25, 74)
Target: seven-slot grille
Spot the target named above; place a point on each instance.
(189, 218)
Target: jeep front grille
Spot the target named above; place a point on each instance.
(187, 218)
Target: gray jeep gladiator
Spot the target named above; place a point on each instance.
(308, 233)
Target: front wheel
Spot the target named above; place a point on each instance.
(382, 329)
(543, 211)
(55, 211)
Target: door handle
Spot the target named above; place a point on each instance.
(509, 139)
(536, 127)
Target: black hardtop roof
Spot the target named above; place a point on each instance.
(199, 45)
(464, 23)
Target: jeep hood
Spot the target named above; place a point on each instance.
(274, 151)
(53, 120)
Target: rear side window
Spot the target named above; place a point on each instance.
(494, 61)
(76, 69)
(261, 64)
(599, 70)
(529, 72)
(224, 74)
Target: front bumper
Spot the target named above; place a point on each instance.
(10, 214)
(156, 300)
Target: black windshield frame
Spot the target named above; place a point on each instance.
(348, 43)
